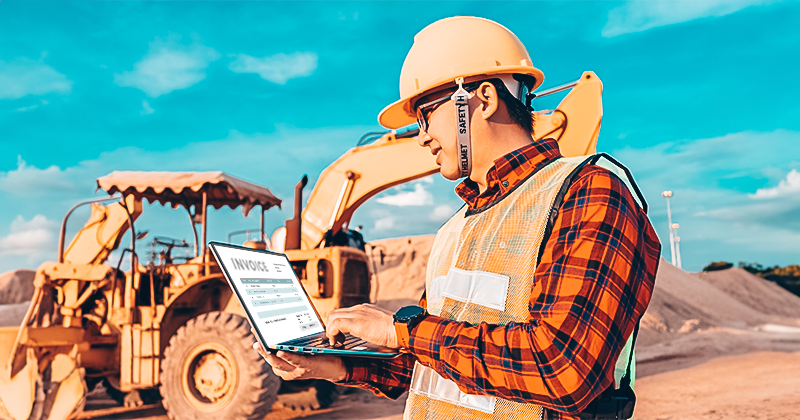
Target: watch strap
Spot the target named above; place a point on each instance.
(403, 336)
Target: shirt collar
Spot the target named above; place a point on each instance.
(509, 171)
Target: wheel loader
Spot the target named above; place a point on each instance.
(170, 329)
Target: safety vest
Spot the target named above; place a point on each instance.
(481, 269)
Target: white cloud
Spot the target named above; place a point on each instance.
(27, 108)
(788, 186)
(34, 238)
(637, 16)
(442, 212)
(168, 66)
(29, 180)
(418, 197)
(146, 108)
(22, 77)
(278, 68)
(384, 224)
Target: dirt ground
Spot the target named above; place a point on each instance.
(762, 385)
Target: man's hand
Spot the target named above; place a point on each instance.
(290, 366)
(368, 322)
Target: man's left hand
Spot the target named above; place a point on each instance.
(365, 321)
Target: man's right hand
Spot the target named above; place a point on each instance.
(291, 366)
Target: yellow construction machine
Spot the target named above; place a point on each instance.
(170, 329)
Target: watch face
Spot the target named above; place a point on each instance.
(407, 313)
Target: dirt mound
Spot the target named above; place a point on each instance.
(16, 286)
(684, 302)
(680, 297)
(757, 293)
(401, 273)
(11, 315)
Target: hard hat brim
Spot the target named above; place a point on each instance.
(399, 114)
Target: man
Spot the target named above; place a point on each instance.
(527, 310)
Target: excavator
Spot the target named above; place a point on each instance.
(170, 330)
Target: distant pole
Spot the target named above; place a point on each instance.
(667, 195)
(675, 227)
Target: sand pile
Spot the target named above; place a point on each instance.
(757, 293)
(16, 286)
(684, 302)
(401, 274)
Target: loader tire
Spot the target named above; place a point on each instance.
(210, 371)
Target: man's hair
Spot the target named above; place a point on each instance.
(516, 109)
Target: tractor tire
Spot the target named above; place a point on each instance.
(210, 371)
(312, 394)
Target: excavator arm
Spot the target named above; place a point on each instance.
(358, 175)
(394, 159)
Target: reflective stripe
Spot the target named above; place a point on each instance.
(476, 287)
(430, 384)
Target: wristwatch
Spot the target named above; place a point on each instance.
(405, 319)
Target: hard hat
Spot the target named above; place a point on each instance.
(451, 48)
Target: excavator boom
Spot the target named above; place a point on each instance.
(358, 175)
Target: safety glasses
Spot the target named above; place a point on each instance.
(425, 110)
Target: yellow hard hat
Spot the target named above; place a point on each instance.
(450, 48)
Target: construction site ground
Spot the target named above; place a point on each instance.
(719, 345)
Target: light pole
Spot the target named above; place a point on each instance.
(675, 227)
(667, 195)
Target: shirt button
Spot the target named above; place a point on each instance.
(505, 183)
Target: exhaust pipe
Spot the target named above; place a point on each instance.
(293, 225)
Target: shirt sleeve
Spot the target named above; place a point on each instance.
(384, 378)
(593, 283)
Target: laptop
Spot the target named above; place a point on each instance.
(278, 306)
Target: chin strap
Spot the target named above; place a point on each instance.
(461, 100)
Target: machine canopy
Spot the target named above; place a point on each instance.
(187, 188)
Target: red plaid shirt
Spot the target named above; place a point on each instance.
(595, 279)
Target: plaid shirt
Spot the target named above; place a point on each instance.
(593, 283)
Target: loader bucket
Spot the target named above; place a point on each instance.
(17, 394)
(22, 396)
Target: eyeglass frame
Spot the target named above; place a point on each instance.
(422, 118)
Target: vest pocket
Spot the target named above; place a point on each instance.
(475, 287)
(428, 383)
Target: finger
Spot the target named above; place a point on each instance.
(278, 363)
(343, 313)
(260, 350)
(296, 360)
(336, 331)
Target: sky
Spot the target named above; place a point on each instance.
(700, 98)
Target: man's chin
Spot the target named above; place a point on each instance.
(452, 176)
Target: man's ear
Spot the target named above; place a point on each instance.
(487, 94)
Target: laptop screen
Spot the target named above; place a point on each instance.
(273, 295)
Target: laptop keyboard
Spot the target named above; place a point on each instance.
(349, 342)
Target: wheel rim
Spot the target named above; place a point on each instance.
(209, 377)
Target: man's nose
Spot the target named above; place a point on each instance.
(423, 139)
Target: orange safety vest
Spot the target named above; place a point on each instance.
(481, 269)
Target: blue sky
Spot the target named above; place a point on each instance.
(700, 97)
